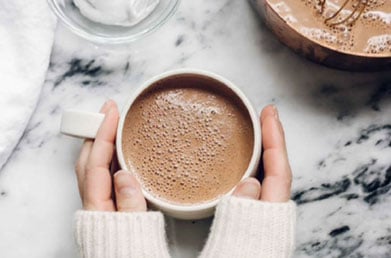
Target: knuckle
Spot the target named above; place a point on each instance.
(89, 169)
(287, 180)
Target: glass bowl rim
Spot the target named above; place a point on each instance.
(100, 39)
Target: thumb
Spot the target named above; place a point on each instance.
(129, 197)
(249, 188)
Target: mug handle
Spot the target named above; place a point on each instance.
(81, 124)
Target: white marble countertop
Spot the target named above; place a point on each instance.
(338, 128)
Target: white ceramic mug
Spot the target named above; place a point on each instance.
(86, 124)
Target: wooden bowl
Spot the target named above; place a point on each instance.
(316, 51)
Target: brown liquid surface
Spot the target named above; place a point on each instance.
(369, 34)
(187, 143)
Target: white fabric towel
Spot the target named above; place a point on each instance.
(26, 38)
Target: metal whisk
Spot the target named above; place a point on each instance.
(337, 18)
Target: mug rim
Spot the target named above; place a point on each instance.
(255, 157)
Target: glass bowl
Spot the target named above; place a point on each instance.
(71, 17)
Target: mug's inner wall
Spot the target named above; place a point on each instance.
(188, 138)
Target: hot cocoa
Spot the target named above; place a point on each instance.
(188, 138)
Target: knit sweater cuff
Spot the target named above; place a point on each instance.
(251, 228)
(120, 235)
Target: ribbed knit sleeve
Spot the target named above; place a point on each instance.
(120, 235)
(249, 228)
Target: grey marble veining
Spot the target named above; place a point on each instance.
(338, 128)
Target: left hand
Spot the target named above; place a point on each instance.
(93, 171)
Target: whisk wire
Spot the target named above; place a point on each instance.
(359, 8)
(337, 12)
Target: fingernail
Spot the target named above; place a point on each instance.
(127, 191)
(106, 106)
(126, 183)
(275, 112)
(249, 189)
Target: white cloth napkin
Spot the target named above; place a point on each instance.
(26, 38)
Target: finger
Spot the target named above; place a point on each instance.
(114, 167)
(249, 188)
(97, 192)
(276, 185)
(83, 157)
(103, 147)
(128, 193)
(81, 164)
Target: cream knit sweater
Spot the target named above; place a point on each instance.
(242, 228)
